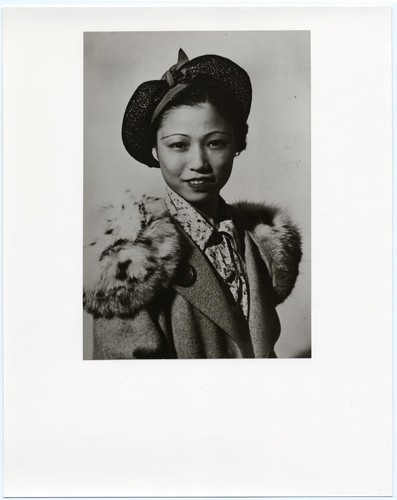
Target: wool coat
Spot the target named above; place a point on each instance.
(154, 294)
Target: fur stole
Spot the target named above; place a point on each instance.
(139, 248)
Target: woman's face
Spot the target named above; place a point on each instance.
(195, 149)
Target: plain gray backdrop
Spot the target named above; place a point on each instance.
(275, 168)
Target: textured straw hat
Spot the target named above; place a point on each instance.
(150, 98)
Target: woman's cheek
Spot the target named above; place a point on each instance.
(166, 158)
(174, 165)
(171, 165)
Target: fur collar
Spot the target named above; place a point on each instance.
(139, 248)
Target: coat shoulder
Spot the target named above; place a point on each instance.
(137, 250)
(278, 240)
(133, 256)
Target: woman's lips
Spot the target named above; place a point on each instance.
(200, 181)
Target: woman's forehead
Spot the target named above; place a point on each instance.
(193, 119)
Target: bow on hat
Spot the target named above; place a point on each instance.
(175, 88)
(169, 75)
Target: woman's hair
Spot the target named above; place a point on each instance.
(226, 105)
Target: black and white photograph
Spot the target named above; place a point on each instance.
(197, 251)
(197, 195)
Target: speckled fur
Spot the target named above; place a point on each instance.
(139, 248)
(134, 257)
(278, 241)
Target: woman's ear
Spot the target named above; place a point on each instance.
(154, 153)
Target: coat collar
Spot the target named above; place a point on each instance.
(139, 251)
(278, 241)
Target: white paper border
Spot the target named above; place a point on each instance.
(48, 389)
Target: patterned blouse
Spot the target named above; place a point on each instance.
(221, 246)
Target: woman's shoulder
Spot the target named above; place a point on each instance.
(133, 254)
(137, 248)
(278, 240)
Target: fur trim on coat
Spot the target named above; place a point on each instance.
(139, 248)
(278, 241)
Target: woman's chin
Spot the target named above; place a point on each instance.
(200, 197)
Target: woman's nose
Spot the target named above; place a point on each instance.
(199, 159)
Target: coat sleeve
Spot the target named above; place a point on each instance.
(137, 337)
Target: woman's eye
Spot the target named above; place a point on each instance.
(217, 143)
(179, 146)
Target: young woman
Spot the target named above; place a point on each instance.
(189, 276)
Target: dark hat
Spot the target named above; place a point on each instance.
(150, 98)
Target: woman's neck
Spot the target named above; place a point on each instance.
(208, 210)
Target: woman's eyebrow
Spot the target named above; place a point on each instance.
(186, 135)
(217, 132)
(170, 135)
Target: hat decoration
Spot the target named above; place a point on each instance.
(175, 88)
(150, 98)
(169, 74)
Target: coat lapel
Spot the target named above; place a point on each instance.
(207, 294)
(264, 325)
